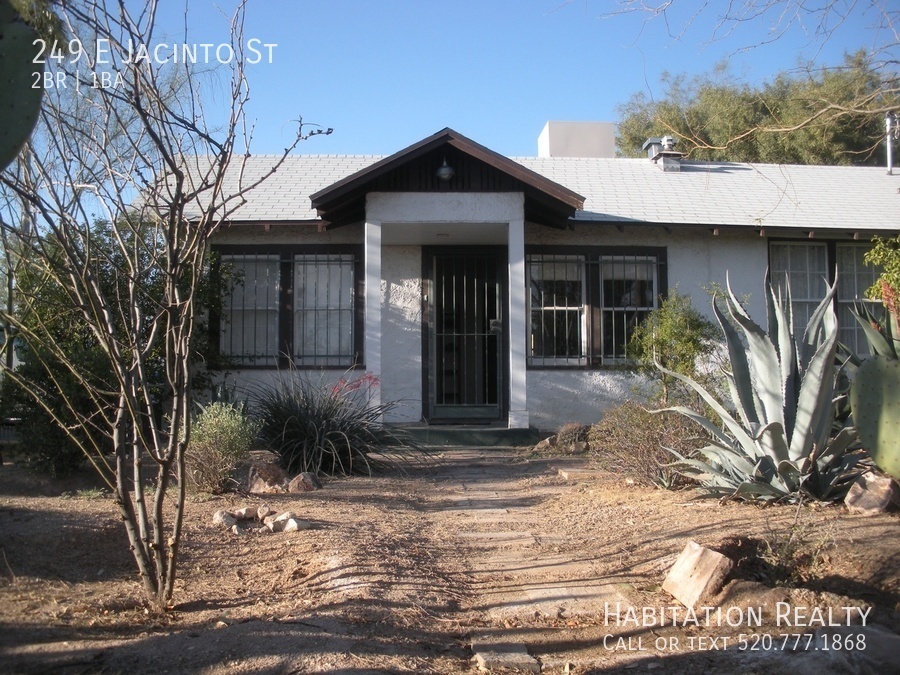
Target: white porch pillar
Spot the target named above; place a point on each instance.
(518, 327)
(372, 336)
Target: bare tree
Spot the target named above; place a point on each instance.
(138, 155)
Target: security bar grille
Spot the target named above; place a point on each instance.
(584, 308)
(557, 285)
(629, 293)
(249, 330)
(323, 309)
(467, 337)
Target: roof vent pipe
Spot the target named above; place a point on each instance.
(892, 130)
(661, 152)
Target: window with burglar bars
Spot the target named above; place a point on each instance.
(323, 310)
(584, 307)
(807, 268)
(290, 306)
(557, 309)
(249, 327)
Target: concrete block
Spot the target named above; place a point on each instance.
(500, 656)
(697, 575)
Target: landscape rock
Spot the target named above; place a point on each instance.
(546, 444)
(262, 511)
(246, 513)
(697, 575)
(294, 525)
(304, 482)
(224, 518)
(267, 478)
(238, 530)
(286, 522)
(871, 494)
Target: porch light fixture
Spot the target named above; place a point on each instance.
(445, 172)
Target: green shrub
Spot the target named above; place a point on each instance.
(54, 433)
(632, 441)
(327, 428)
(221, 438)
(678, 337)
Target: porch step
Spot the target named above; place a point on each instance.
(471, 436)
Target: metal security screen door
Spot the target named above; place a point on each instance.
(466, 337)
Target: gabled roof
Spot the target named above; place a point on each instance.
(477, 169)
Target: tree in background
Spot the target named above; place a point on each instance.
(811, 114)
(831, 116)
(140, 155)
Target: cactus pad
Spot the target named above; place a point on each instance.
(20, 103)
(875, 400)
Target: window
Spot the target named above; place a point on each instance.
(583, 307)
(557, 309)
(807, 266)
(289, 305)
(323, 310)
(629, 294)
(250, 311)
(854, 278)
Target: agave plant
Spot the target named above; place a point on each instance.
(777, 440)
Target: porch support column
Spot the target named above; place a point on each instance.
(372, 335)
(518, 327)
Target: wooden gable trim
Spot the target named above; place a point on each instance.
(546, 201)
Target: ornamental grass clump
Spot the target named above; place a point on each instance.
(781, 435)
(328, 428)
(221, 438)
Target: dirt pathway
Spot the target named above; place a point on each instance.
(404, 573)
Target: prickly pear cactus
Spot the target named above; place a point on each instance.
(20, 102)
(875, 401)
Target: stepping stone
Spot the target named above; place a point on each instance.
(499, 656)
(576, 473)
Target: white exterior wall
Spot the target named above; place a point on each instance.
(401, 218)
(696, 259)
(401, 325)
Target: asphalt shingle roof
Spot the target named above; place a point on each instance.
(636, 190)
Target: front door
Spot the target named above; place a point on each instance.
(466, 340)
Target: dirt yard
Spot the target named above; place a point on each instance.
(402, 573)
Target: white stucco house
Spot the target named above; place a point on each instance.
(482, 289)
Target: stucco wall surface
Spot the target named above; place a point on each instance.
(401, 325)
(697, 258)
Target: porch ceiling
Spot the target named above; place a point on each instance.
(477, 169)
(444, 234)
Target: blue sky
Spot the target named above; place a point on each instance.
(384, 74)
